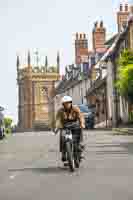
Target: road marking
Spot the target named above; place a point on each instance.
(13, 176)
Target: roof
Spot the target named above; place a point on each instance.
(64, 85)
(110, 41)
(96, 85)
(113, 48)
(116, 41)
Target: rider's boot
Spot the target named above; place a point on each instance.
(64, 158)
(81, 149)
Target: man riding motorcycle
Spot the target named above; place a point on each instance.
(69, 113)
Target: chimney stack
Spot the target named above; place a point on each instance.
(99, 36)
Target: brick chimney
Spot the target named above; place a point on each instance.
(81, 47)
(122, 16)
(99, 36)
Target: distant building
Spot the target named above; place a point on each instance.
(75, 84)
(35, 85)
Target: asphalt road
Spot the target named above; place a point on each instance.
(30, 168)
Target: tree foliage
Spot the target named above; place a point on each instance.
(126, 58)
(125, 74)
(8, 122)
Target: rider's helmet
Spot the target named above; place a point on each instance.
(66, 99)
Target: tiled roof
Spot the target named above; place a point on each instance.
(111, 40)
(116, 41)
(96, 85)
(121, 35)
(64, 85)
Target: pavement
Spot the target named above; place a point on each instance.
(30, 168)
(127, 131)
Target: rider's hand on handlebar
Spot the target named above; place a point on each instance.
(82, 126)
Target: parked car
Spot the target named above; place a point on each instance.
(89, 115)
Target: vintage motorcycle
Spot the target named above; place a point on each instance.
(71, 145)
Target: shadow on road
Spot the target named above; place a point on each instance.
(127, 148)
(47, 170)
(111, 152)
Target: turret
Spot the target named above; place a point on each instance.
(18, 63)
(46, 63)
(29, 59)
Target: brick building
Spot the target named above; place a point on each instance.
(112, 109)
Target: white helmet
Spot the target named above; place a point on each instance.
(66, 99)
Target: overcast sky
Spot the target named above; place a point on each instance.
(49, 25)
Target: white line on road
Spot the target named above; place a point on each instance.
(13, 175)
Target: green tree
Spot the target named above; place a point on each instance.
(8, 122)
(124, 83)
(126, 58)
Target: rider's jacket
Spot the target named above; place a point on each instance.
(73, 114)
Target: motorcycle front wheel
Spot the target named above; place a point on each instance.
(70, 156)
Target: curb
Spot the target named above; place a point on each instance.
(123, 131)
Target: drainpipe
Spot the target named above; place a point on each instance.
(106, 106)
(115, 93)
